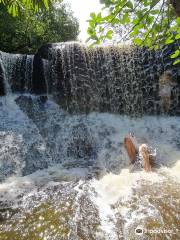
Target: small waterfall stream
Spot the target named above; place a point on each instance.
(17, 70)
(64, 172)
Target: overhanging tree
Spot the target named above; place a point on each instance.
(14, 7)
(28, 31)
(149, 23)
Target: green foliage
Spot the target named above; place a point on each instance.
(14, 7)
(149, 23)
(176, 54)
(28, 31)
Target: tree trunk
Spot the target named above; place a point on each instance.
(176, 6)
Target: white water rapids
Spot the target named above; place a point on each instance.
(67, 176)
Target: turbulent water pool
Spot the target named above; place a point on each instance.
(67, 176)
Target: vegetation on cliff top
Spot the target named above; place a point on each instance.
(26, 32)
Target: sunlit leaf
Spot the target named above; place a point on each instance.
(137, 41)
(169, 41)
(177, 36)
(176, 62)
(154, 2)
(175, 54)
(135, 21)
(93, 15)
(178, 20)
(129, 4)
(109, 34)
(154, 12)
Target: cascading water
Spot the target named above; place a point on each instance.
(64, 173)
(17, 70)
(114, 79)
(28, 73)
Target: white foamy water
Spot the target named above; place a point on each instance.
(102, 182)
(117, 195)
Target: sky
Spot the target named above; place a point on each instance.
(82, 10)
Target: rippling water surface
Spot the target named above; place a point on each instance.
(67, 177)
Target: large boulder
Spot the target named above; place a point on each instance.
(39, 78)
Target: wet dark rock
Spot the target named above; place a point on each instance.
(38, 77)
(43, 51)
(25, 102)
(43, 99)
(83, 144)
(30, 105)
(35, 160)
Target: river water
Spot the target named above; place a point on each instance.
(66, 176)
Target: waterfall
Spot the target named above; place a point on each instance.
(64, 171)
(46, 71)
(121, 79)
(4, 73)
(17, 72)
(102, 79)
(28, 73)
(118, 79)
(2, 79)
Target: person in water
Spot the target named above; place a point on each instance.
(138, 153)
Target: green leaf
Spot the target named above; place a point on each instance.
(140, 25)
(149, 43)
(157, 27)
(129, 4)
(109, 34)
(126, 18)
(175, 54)
(108, 18)
(135, 21)
(46, 4)
(137, 41)
(178, 20)
(14, 12)
(150, 19)
(177, 36)
(154, 12)
(146, 3)
(169, 40)
(99, 18)
(90, 31)
(93, 15)
(154, 2)
(176, 62)
(139, 13)
(94, 37)
(134, 32)
(156, 47)
(91, 23)
(116, 21)
(100, 29)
